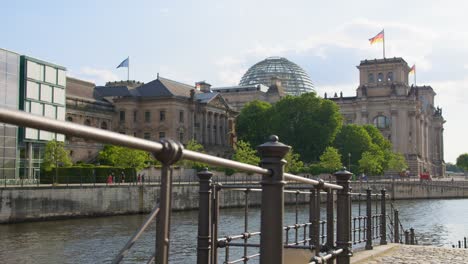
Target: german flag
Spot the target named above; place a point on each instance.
(413, 69)
(378, 38)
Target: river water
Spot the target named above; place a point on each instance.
(97, 240)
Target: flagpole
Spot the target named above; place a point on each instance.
(128, 69)
(383, 43)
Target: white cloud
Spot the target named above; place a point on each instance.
(98, 76)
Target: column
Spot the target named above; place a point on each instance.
(211, 117)
(216, 137)
(205, 128)
(394, 125)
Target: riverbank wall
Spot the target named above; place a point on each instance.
(19, 204)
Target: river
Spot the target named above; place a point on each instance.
(97, 240)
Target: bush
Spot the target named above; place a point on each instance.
(86, 174)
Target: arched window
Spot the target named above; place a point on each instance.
(380, 77)
(370, 78)
(104, 125)
(87, 122)
(390, 77)
(69, 119)
(381, 121)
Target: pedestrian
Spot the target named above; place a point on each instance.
(139, 178)
(109, 179)
(113, 177)
(143, 178)
(122, 176)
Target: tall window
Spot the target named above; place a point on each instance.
(390, 77)
(181, 116)
(147, 116)
(380, 77)
(381, 121)
(135, 115)
(162, 135)
(104, 125)
(370, 78)
(147, 135)
(162, 115)
(122, 116)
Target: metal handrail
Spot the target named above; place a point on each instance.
(124, 251)
(21, 118)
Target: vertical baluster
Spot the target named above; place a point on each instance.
(343, 217)
(383, 221)
(296, 229)
(396, 227)
(246, 222)
(412, 236)
(369, 219)
(272, 209)
(204, 217)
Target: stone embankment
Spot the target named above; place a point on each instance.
(405, 254)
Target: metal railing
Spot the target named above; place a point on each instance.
(461, 244)
(272, 185)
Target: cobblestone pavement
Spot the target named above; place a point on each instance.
(421, 254)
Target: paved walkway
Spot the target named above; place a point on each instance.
(395, 253)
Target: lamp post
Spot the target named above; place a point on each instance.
(349, 161)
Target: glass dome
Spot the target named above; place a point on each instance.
(293, 78)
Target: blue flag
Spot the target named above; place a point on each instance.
(124, 63)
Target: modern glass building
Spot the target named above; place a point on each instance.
(293, 78)
(9, 89)
(41, 92)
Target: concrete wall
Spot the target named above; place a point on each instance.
(40, 203)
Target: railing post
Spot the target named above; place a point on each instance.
(272, 210)
(412, 236)
(316, 217)
(368, 219)
(171, 153)
(396, 227)
(343, 215)
(204, 217)
(406, 237)
(383, 219)
(330, 220)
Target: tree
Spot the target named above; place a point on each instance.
(124, 157)
(462, 161)
(397, 162)
(307, 123)
(194, 146)
(330, 160)
(370, 164)
(352, 139)
(294, 163)
(245, 153)
(253, 124)
(55, 155)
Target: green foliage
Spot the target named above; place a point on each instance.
(452, 167)
(55, 155)
(253, 124)
(194, 146)
(307, 123)
(124, 157)
(245, 153)
(294, 163)
(397, 162)
(330, 160)
(370, 164)
(87, 174)
(352, 139)
(462, 161)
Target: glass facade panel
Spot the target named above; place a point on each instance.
(36, 108)
(61, 78)
(34, 71)
(61, 113)
(61, 137)
(50, 75)
(46, 93)
(59, 96)
(32, 90)
(50, 111)
(31, 133)
(46, 135)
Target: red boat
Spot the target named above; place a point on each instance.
(425, 176)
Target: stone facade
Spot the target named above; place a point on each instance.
(85, 107)
(238, 96)
(405, 114)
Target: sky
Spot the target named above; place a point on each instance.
(217, 41)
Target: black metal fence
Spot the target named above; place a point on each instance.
(328, 239)
(461, 244)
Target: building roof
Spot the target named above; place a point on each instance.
(382, 61)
